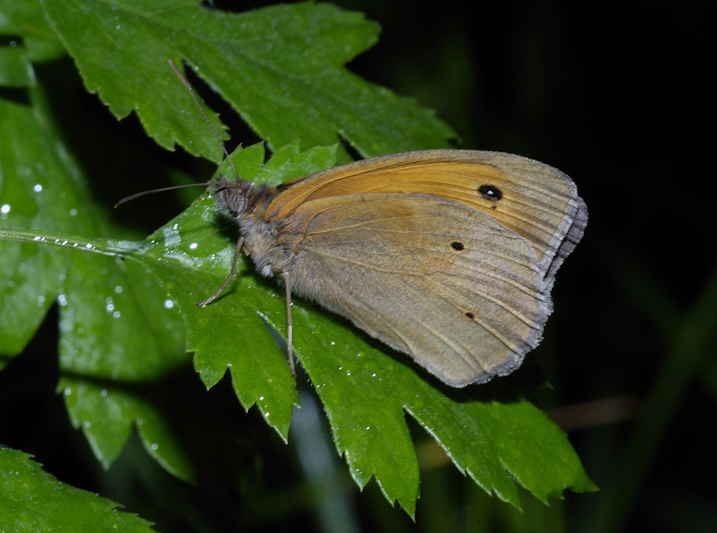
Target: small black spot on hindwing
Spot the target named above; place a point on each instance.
(458, 246)
(470, 315)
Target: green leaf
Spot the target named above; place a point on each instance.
(115, 323)
(33, 500)
(264, 63)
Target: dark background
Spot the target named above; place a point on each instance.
(619, 97)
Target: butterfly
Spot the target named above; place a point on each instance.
(448, 256)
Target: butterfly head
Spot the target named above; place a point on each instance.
(240, 197)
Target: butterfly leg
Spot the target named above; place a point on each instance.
(233, 271)
(284, 275)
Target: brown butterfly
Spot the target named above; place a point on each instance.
(446, 255)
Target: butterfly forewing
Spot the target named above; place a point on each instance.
(536, 201)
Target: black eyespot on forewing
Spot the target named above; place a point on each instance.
(470, 315)
(490, 192)
(458, 246)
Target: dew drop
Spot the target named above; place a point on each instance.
(37, 188)
(168, 304)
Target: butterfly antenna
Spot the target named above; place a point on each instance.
(196, 102)
(152, 191)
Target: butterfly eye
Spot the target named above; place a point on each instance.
(490, 192)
